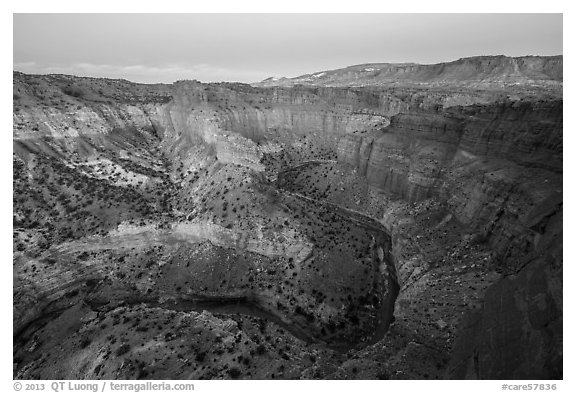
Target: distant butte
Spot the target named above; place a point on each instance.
(480, 72)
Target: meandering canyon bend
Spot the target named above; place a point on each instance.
(375, 222)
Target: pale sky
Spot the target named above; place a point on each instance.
(251, 47)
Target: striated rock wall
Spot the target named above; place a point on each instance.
(528, 133)
(490, 165)
(421, 152)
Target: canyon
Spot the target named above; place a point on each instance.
(403, 222)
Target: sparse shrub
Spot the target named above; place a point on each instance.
(234, 372)
(261, 349)
(73, 91)
(142, 373)
(85, 342)
(122, 349)
(200, 356)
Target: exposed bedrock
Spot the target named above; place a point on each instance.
(491, 165)
(187, 113)
(499, 169)
(517, 333)
(417, 151)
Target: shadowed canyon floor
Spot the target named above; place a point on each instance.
(358, 230)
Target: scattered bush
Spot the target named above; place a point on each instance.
(200, 356)
(73, 91)
(85, 342)
(234, 372)
(261, 349)
(122, 349)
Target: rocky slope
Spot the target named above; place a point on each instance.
(364, 232)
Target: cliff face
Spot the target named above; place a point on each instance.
(475, 158)
(499, 170)
(291, 190)
(520, 321)
(189, 113)
(408, 155)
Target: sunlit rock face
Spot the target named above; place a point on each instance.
(367, 231)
